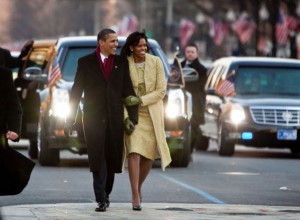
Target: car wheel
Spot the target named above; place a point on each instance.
(202, 142)
(226, 148)
(33, 149)
(181, 157)
(47, 157)
(295, 150)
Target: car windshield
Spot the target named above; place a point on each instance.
(74, 53)
(267, 80)
(69, 66)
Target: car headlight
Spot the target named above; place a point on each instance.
(175, 105)
(237, 114)
(60, 104)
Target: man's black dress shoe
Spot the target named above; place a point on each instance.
(101, 207)
(137, 208)
(107, 203)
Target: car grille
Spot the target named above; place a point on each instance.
(285, 116)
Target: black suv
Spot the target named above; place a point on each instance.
(54, 105)
(252, 101)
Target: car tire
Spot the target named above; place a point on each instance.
(181, 157)
(295, 150)
(202, 142)
(33, 149)
(226, 148)
(47, 157)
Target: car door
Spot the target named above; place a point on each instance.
(213, 103)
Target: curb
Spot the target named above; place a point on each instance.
(161, 211)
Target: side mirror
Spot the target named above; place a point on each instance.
(190, 74)
(35, 74)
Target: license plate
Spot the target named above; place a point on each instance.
(287, 134)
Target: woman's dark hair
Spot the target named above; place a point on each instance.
(132, 40)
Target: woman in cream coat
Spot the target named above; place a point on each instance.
(148, 141)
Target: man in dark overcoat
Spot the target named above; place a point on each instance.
(104, 79)
(10, 129)
(196, 89)
(10, 108)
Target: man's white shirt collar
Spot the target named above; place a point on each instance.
(102, 57)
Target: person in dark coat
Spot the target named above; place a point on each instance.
(15, 168)
(196, 89)
(104, 79)
(10, 126)
(30, 99)
(10, 108)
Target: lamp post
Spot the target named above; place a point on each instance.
(274, 5)
(292, 5)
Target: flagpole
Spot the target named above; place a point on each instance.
(293, 46)
(256, 20)
(274, 14)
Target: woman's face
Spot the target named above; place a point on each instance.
(140, 49)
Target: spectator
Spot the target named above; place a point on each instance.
(196, 89)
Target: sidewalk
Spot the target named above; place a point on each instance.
(159, 211)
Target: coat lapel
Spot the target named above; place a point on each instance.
(115, 68)
(133, 72)
(94, 66)
(148, 74)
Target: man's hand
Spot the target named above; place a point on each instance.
(129, 126)
(132, 100)
(12, 135)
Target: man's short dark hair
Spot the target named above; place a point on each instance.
(102, 35)
(191, 44)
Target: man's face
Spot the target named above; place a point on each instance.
(190, 53)
(109, 46)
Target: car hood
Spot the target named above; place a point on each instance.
(266, 100)
(63, 84)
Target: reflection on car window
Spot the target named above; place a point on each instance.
(70, 63)
(266, 80)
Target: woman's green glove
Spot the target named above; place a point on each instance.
(129, 126)
(132, 100)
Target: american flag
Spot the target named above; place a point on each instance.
(226, 87)
(186, 30)
(128, 24)
(55, 73)
(282, 28)
(293, 23)
(244, 27)
(218, 30)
